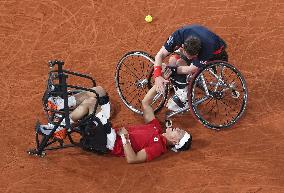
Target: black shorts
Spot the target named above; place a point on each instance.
(94, 136)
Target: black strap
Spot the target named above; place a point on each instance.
(94, 136)
(177, 100)
(103, 100)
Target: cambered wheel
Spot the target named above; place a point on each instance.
(133, 79)
(218, 95)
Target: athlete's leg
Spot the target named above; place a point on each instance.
(80, 97)
(87, 101)
(179, 99)
(75, 100)
(86, 107)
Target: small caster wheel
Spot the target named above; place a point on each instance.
(42, 155)
(31, 152)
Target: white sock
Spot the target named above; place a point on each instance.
(71, 102)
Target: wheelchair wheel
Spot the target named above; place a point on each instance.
(133, 79)
(218, 95)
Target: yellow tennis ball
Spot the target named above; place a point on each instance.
(148, 18)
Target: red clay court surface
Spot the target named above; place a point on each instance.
(91, 36)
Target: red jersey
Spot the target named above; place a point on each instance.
(148, 136)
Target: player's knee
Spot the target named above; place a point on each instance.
(97, 90)
(100, 90)
(90, 101)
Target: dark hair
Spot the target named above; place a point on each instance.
(187, 145)
(192, 45)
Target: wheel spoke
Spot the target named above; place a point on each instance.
(221, 80)
(200, 101)
(128, 89)
(227, 105)
(133, 75)
(212, 108)
(131, 71)
(217, 109)
(134, 68)
(134, 96)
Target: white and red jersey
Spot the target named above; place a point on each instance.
(147, 136)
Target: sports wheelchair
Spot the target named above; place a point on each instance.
(217, 93)
(57, 87)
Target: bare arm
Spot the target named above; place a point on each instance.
(130, 155)
(148, 112)
(160, 81)
(163, 53)
(187, 69)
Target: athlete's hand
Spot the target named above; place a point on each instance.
(122, 130)
(167, 73)
(160, 83)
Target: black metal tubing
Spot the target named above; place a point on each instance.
(60, 147)
(63, 92)
(75, 74)
(81, 75)
(44, 142)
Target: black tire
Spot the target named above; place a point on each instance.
(225, 102)
(133, 79)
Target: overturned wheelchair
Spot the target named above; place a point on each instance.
(87, 130)
(216, 95)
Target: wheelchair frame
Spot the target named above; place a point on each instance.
(132, 56)
(60, 89)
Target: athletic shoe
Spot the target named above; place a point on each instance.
(182, 94)
(175, 106)
(179, 100)
(55, 103)
(60, 132)
(43, 129)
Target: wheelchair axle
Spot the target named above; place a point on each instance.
(141, 83)
(36, 153)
